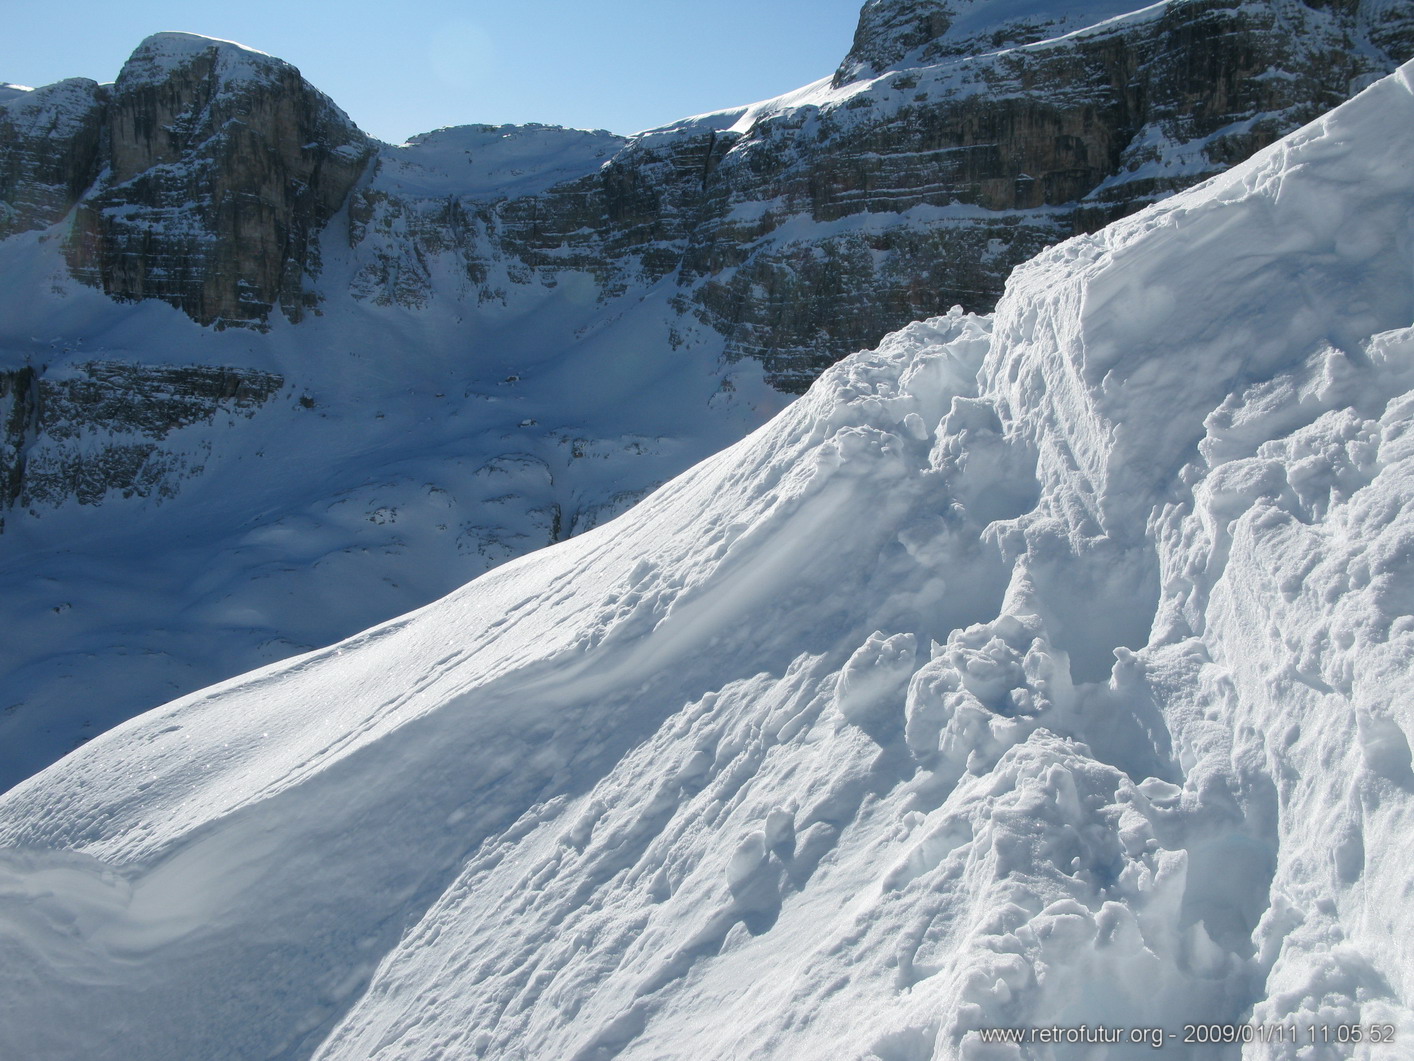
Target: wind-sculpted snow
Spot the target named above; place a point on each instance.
(1044, 670)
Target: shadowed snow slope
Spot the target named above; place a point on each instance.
(1043, 670)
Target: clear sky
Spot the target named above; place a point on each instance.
(400, 68)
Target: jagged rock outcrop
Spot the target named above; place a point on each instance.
(19, 415)
(49, 151)
(894, 34)
(97, 427)
(889, 30)
(221, 167)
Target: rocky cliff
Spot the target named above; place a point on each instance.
(98, 427)
(202, 177)
(49, 151)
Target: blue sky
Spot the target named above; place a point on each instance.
(403, 68)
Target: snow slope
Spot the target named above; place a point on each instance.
(444, 445)
(1039, 670)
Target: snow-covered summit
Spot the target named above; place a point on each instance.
(50, 109)
(158, 56)
(1039, 671)
(487, 161)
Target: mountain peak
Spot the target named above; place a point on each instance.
(908, 32)
(159, 55)
(197, 124)
(889, 30)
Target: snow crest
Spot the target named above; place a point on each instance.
(1040, 671)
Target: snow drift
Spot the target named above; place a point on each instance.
(1034, 671)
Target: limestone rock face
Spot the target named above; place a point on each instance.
(930, 176)
(49, 151)
(222, 166)
(895, 34)
(888, 30)
(19, 404)
(98, 427)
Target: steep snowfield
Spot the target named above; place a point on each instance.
(1044, 670)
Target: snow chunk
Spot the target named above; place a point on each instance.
(872, 681)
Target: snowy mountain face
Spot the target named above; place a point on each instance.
(265, 382)
(1039, 670)
(953, 143)
(898, 34)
